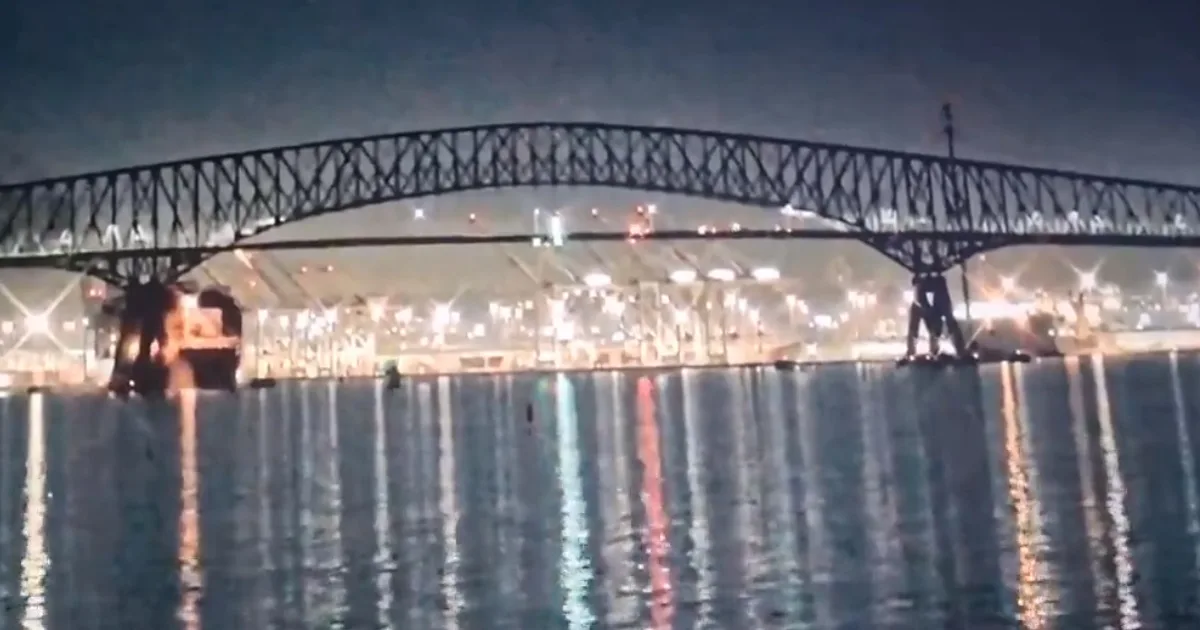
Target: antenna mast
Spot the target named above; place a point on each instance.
(948, 130)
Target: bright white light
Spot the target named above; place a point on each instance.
(263, 314)
(1087, 280)
(683, 276)
(1161, 279)
(558, 232)
(37, 324)
(189, 301)
(418, 214)
(1008, 284)
(597, 279)
(722, 274)
(765, 274)
(441, 316)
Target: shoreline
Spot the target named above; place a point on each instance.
(791, 366)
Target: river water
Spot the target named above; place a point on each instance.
(1059, 494)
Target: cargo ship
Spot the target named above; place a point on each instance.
(166, 338)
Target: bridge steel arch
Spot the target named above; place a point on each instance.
(885, 197)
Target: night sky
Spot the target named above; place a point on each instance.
(1104, 86)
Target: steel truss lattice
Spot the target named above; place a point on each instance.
(882, 195)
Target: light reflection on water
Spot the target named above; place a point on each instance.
(1050, 495)
(36, 561)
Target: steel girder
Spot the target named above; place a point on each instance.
(880, 194)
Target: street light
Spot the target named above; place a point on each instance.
(1161, 279)
(1008, 284)
(765, 274)
(37, 324)
(722, 274)
(597, 279)
(1087, 280)
(683, 276)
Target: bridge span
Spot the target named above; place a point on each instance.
(150, 224)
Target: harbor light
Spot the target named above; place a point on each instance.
(597, 279)
(765, 274)
(722, 274)
(683, 276)
(37, 323)
(1087, 280)
(558, 231)
(1161, 279)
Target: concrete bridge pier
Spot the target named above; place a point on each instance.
(140, 362)
(932, 309)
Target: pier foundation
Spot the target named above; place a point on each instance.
(139, 358)
(932, 309)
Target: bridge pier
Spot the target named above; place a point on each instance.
(932, 309)
(140, 354)
(166, 340)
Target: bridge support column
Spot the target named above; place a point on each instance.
(932, 308)
(142, 344)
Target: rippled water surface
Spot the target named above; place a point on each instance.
(1051, 495)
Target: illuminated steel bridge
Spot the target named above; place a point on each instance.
(927, 213)
(141, 226)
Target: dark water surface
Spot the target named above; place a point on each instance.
(1052, 495)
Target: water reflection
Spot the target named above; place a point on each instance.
(1021, 473)
(448, 489)
(574, 566)
(383, 561)
(700, 559)
(656, 534)
(1115, 501)
(35, 564)
(1053, 495)
(191, 576)
(1187, 459)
